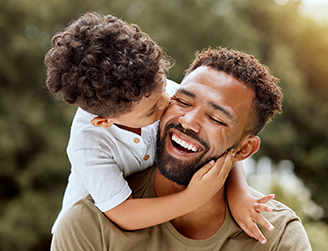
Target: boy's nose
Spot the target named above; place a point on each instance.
(162, 105)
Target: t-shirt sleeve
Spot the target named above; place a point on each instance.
(289, 233)
(101, 176)
(294, 237)
(79, 229)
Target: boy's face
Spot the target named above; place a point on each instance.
(146, 112)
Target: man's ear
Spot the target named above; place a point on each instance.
(102, 122)
(249, 146)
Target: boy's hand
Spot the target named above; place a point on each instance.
(208, 180)
(247, 211)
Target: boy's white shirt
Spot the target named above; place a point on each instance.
(101, 158)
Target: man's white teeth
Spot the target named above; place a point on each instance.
(184, 143)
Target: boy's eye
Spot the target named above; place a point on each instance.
(151, 113)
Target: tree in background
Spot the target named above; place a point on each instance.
(35, 126)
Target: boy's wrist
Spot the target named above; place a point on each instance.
(239, 195)
(192, 199)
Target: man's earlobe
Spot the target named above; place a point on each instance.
(102, 122)
(249, 146)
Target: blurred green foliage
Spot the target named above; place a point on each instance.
(35, 127)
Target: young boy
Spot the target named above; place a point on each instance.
(116, 75)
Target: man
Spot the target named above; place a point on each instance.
(224, 101)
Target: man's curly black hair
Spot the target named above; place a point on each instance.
(104, 65)
(267, 99)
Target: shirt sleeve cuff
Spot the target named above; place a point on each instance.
(114, 201)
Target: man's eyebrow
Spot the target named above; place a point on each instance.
(212, 104)
(219, 108)
(188, 93)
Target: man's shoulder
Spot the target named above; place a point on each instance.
(281, 213)
(276, 205)
(81, 212)
(142, 183)
(289, 232)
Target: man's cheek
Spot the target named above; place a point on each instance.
(166, 115)
(218, 145)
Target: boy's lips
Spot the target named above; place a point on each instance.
(184, 144)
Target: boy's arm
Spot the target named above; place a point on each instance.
(244, 207)
(135, 214)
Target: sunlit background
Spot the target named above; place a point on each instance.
(290, 37)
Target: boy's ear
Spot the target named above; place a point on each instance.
(102, 122)
(249, 146)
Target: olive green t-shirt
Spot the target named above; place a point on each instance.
(84, 227)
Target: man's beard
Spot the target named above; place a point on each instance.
(177, 170)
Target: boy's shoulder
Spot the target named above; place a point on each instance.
(84, 135)
(81, 124)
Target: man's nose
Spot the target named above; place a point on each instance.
(191, 120)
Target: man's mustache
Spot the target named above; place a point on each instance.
(187, 132)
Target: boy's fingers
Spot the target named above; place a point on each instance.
(258, 234)
(262, 207)
(248, 231)
(254, 232)
(264, 222)
(202, 171)
(266, 198)
(223, 165)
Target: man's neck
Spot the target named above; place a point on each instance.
(201, 223)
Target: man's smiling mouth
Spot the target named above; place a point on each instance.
(184, 145)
